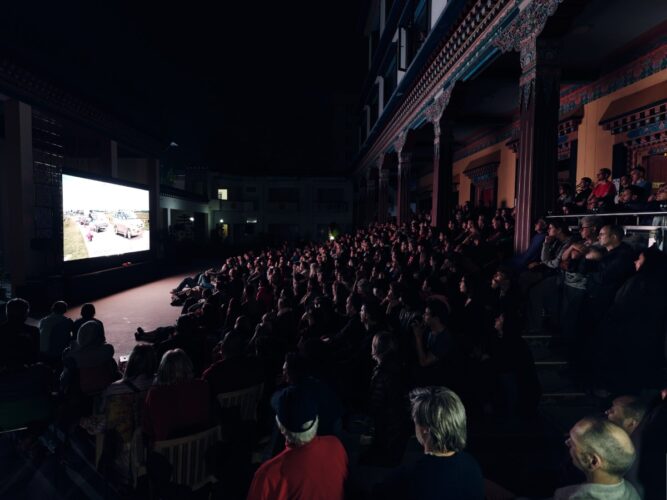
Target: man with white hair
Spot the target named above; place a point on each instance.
(311, 467)
(604, 452)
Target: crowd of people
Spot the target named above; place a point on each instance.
(633, 194)
(419, 330)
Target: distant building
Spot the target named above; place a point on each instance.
(239, 209)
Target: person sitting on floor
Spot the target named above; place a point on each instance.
(55, 331)
(445, 470)
(89, 364)
(604, 452)
(87, 314)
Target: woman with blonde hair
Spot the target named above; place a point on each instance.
(178, 404)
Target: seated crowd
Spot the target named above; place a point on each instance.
(420, 330)
(633, 194)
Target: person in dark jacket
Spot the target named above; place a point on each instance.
(632, 334)
(387, 404)
(445, 471)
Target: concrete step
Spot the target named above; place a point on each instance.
(539, 345)
(556, 377)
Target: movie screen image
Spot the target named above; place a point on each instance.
(103, 218)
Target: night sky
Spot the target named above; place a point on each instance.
(248, 87)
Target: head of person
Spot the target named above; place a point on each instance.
(353, 304)
(603, 174)
(467, 285)
(588, 228)
(383, 346)
(296, 416)
(175, 367)
(295, 368)
(59, 307)
(651, 260)
(501, 279)
(625, 181)
(369, 313)
(142, 361)
(555, 229)
(600, 446)
(90, 334)
(611, 236)
(439, 418)
(435, 314)
(88, 311)
(17, 310)
(564, 189)
(585, 183)
(627, 412)
(540, 225)
(637, 173)
(232, 345)
(630, 193)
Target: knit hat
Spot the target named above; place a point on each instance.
(295, 409)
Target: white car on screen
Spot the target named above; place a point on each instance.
(126, 223)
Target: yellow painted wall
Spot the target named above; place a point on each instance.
(594, 150)
(506, 173)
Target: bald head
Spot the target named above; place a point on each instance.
(598, 444)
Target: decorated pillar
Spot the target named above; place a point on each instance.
(371, 195)
(361, 202)
(538, 115)
(383, 195)
(403, 191)
(442, 160)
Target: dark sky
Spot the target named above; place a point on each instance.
(247, 86)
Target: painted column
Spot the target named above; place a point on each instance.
(371, 196)
(538, 115)
(403, 192)
(442, 160)
(383, 195)
(538, 137)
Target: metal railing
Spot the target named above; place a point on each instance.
(639, 234)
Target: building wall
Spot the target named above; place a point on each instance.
(506, 173)
(596, 144)
(304, 212)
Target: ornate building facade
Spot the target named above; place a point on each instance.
(496, 102)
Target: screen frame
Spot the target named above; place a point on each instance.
(92, 264)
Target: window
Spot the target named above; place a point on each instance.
(283, 195)
(222, 194)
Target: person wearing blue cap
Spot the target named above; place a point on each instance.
(310, 467)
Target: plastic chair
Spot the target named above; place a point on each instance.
(246, 400)
(187, 457)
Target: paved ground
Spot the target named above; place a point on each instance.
(146, 306)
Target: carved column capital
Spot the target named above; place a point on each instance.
(435, 111)
(521, 34)
(399, 143)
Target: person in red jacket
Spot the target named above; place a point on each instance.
(178, 404)
(311, 467)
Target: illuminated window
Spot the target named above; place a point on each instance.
(222, 194)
